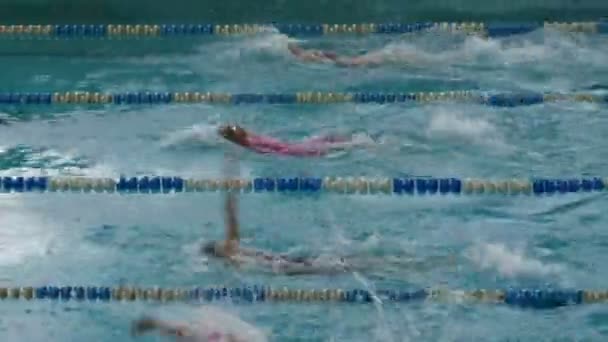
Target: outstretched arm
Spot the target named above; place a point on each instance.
(310, 55)
(295, 49)
(232, 224)
(231, 244)
(365, 60)
(147, 324)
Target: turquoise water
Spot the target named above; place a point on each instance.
(493, 242)
(342, 11)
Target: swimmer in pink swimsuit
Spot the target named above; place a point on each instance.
(181, 332)
(320, 56)
(317, 146)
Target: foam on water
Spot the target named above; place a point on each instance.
(509, 262)
(22, 235)
(199, 134)
(456, 124)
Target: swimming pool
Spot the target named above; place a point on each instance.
(146, 240)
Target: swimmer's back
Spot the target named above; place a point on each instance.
(215, 325)
(266, 257)
(292, 265)
(312, 147)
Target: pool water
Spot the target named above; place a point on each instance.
(459, 242)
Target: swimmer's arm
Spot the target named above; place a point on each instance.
(304, 55)
(232, 224)
(365, 60)
(295, 49)
(300, 272)
(296, 270)
(165, 328)
(175, 330)
(298, 52)
(344, 62)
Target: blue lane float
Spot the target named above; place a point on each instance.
(511, 99)
(422, 186)
(497, 30)
(514, 100)
(533, 298)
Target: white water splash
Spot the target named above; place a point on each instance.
(266, 44)
(199, 134)
(509, 262)
(475, 48)
(213, 319)
(455, 125)
(383, 332)
(273, 43)
(23, 233)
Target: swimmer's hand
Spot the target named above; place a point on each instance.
(144, 325)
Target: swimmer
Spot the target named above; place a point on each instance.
(213, 326)
(320, 56)
(317, 146)
(231, 250)
(147, 324)
(311, 55)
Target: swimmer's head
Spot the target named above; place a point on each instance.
(294, 48)
(234, 133)
(322, 55)
(209, 248)
(310, 54)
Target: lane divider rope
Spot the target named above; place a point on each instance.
(541, 298)
(138, 31)
(308, 97)
(337, 185)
